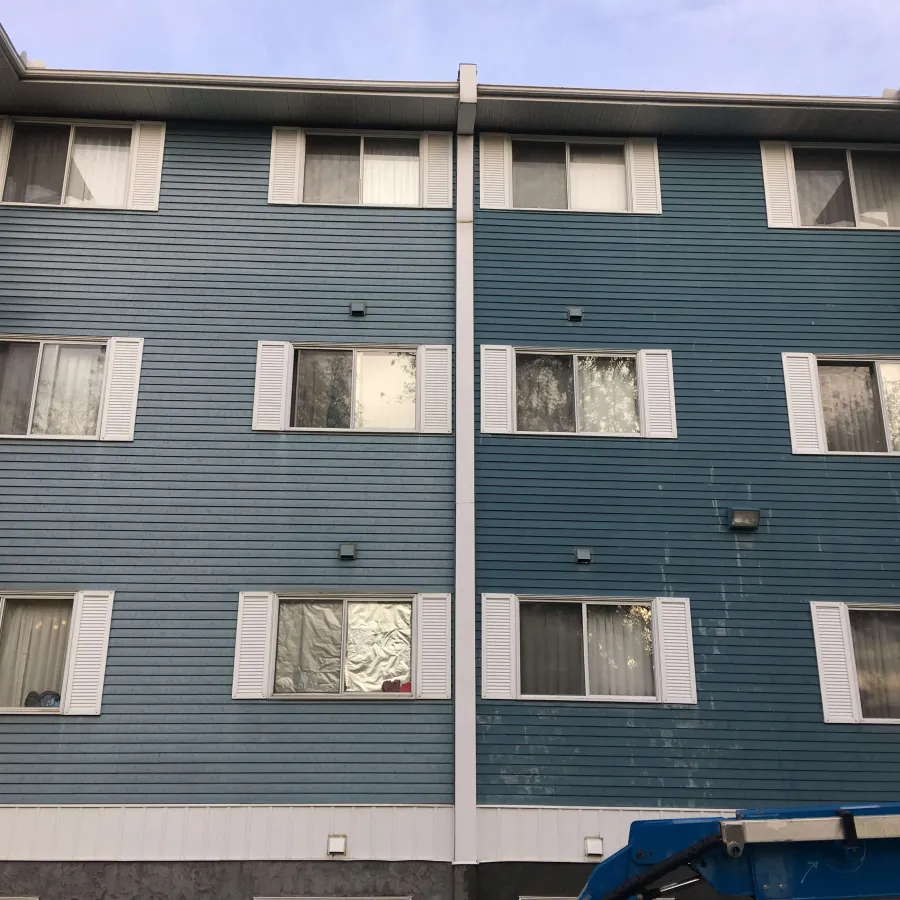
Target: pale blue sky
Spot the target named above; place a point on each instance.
(783, 46)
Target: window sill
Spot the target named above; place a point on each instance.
(51, 437)
(843, 228)
(355, 431)
(580, 434)
(589, 212)
(30, 711)
(361, 205)
(392, 696)
(877, 722)
(544, 698)
(67, 206)
(856, 453)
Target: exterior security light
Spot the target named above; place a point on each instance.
(358, 308)
(347, 551)
(593, 846)
(583, 556)
(743, 519)
(574, 313)
(337, 844)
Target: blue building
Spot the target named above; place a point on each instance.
(404, 487)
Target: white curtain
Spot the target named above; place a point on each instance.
(877, 177)
(98, 174)
(70, 385)
(391, 172)
(308, 648)
(17, 365)
(876, 646)
(607, 388)
(33, 639)
(620, 651)
(890, 380)
(331, 170)
(385, 389)
(597, 178)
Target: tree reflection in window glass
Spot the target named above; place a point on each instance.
(386, 389)
(545, 392)
(607, 388)
(322, 388)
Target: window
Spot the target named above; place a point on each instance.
(34, 637)
(594, 649)
(68, 165)
(352, 388)
(585, 175)
(344, 647)
(815, 186)
(51, 389)
(843, 405)
(576, 393)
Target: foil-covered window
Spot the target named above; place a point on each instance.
(343, 647)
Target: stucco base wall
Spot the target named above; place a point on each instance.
(226, 880)
(511, 880)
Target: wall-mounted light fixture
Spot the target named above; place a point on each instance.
(574, 313)
(743, 519)
(358, 308)
(583, 556)
(337, 844)
(347, 551)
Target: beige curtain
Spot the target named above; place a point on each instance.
(98, 174)
(34, 635)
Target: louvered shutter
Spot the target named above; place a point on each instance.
(274, 360)
(5, 140)
(435, 384)
(837, 669)
(286, 166)
(496, 389)
(499, 647)
(675, 651)
(120, 393)
(148, 142)
(778, 181)
(253, 646)
(494, 168)
(432, 649)
(801, 384)
(657, 394)
(644, 168)
(86, 662)
(438, 156)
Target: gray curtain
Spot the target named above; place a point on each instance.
(545, 392)
(33, 639)
(379, 641)
(851, 407)
(620, 651)
(308, 647)
(322, 385)
(551, 649)
(823, 187)
(331, 171)
(37, 163)
(607, 388)
(17, 370)
(876, 174)
(876, 646)
(539, 175)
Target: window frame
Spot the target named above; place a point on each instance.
(859, 360)
(41, 340)
(418, 136)
(851, 657)
(848, 149)
(394, 348)
(574, 354)
(348, 597)
(568, 141)
(131, 125)
(585, 602)
(43, 595)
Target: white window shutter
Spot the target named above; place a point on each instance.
(778, 181)
(801, 384)
(657, 394)
(435, 386)
(432, 649)
(86, 661)
(148, 143)
(837, 668)
(675, 650)
(499, 646)
(254, 645)
(120, 393)
(274, 360)
(437, 152)
(286, 166)
(5, 140)
(496, 389)
(495, 166)
(643, 164)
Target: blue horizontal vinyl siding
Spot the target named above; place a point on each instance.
(199, 507)
(728, 295)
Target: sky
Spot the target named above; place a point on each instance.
(845, 47)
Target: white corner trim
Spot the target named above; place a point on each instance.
(216, 833)
(557, 833)
(465, 820)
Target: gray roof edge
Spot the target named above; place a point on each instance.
(9, 51)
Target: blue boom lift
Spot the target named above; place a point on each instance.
(807, 853)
